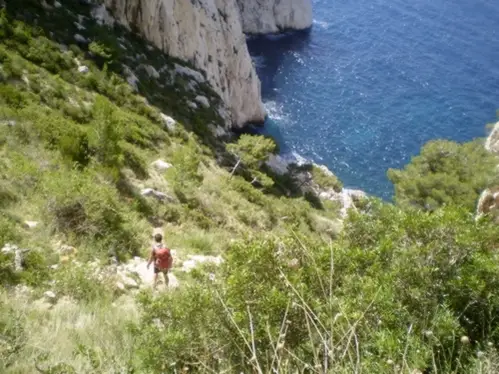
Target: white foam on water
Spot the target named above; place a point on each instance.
(294, 158)
(298, 58)
(258, 61)
(322, 24)
(275, 111)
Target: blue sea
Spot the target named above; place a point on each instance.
(374, 80)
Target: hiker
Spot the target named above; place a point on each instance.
(162, 259)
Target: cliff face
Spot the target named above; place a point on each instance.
(207, 33)
(488, 203)
(492, 142)
(269, 16)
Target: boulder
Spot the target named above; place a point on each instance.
(192, 105)
(294, 263)
(488, 203)
(218, 131)
(128, 282)
(102, 16)
(80, 38)
(194, 261)
(151, 71)
(278, 164)
(131, 78)
(161, 165)
(9, 123)
(83, 69)
(184, 70)
(203, 101)
(9, 248)
(18, 260)
(168, 121)
(156, 194)
(30, 224)
(18, 255)
(120, 286)
(50, 296)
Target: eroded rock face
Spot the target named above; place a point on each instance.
(207, 33)
(270, 16)
(492, 142)
(488, 203)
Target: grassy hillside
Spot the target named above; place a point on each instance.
(87, 110)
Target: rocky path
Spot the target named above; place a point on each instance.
(135, 274)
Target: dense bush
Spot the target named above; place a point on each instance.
(185, 173)
(252, 151)
(325, 179)
(399, 288)
(79, 203)
(445, 173)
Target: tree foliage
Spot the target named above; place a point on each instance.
(252, 151)
(398, 288)
(185, 172)
(445, 173)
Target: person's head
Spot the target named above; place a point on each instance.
(158, 238)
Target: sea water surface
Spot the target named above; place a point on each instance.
(374, 80)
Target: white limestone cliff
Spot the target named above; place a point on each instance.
(207, 33)
(492, 142)
(270, 16)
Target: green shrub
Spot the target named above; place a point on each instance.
(248, 191)
(35, 268)
(445, 173)
(79, 203)
(326, 180)
(185, 173)
(134, 160)
(80, 282)
(252, 152)
(8, 230)
(13, 337)
(180, 329)
(108, 135)
(399, 287)
(76, 147)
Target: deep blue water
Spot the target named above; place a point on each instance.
(374, 80)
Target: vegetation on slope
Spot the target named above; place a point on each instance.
(445, 173)
(400, 289)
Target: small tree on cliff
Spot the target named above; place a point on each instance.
(444, 173)
(252, 151)
(185, 174)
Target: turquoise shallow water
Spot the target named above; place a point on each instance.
(373, 80)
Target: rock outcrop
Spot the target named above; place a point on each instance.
(270, 16)
(345, 197)
(492, 142)
(488, 203)
(208, 34)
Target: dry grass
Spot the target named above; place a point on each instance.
(87, 337)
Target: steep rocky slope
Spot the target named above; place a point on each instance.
(209, 34)
(269, 16)
(489, 199)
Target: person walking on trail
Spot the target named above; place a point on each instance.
(162, 258)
